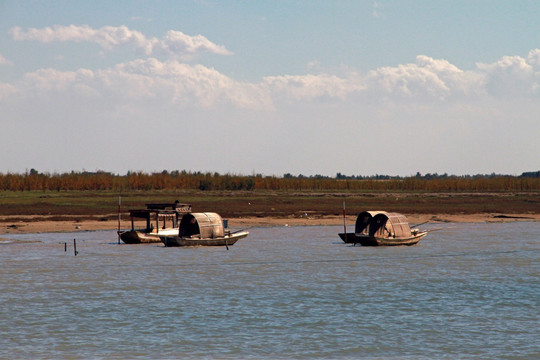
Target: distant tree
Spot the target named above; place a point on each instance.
(531, 174)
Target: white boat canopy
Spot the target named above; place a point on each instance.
(206, 225)
(390, 225)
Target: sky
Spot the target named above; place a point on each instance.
(270, 87)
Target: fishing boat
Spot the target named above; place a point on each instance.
(380, 228)
(203, 229)
(160, 219)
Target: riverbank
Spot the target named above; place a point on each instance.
(69, 211)
(41, 224)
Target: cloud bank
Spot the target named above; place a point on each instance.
(275, 125)
(426, 80)
(111, 37)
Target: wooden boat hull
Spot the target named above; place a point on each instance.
(226, 240)
(142, 237)
(366, 240)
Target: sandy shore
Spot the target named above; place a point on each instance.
(35, 224)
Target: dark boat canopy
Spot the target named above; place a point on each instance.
(206, 225)
(390, 225)
(363, 221)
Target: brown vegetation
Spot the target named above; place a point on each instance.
(176, 180)
(93, 197)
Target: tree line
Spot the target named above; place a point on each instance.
(186, 180)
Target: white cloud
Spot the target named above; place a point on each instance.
(110, 37)
(173, 82)
(376, 10)
(145, 80)
(452, 110)
(513, 76)
(533, 58)
(187, 84)
(408, 80)
(7, 90)
(312, 87)
(4, 61)
(176, 42)
(427, 78)
(140, 18)
(51, 83)
(424, 80)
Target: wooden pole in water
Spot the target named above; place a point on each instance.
(344, 222)
(75, 247)
(119, 203)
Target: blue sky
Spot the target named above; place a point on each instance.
(271, 87)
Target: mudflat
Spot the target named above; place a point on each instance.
(33, 212)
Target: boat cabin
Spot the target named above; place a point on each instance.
(159, 215)
(202, 225)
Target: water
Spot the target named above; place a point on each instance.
(468, 291)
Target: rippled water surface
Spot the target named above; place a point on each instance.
(468, 291)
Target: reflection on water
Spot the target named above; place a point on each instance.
(467, 291)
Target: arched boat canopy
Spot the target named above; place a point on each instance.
(364, 220)
(390, 225)
(206, 225)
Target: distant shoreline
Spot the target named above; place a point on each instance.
(40, 224)
(45, 212)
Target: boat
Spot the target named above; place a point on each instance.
(203, 229)
(160, 219)
(381, 228)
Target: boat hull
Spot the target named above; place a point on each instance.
(226, 240)
(366, 240)
(142, 237)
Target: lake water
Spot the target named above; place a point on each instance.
(468, 291)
